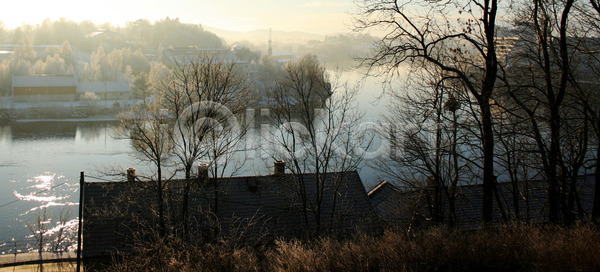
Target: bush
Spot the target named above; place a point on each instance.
(519, 248)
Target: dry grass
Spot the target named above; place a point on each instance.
(521, 248)
(48, 267)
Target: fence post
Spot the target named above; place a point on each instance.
(15, 251)
(81, 181)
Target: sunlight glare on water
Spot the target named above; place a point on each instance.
(43, 182)
(40, 167)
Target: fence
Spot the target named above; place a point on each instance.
(27, 251)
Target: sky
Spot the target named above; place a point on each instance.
(320, 17)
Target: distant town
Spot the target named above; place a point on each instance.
(78, 68)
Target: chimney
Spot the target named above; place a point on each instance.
(130, 174)
(279, 168)
(203, 171)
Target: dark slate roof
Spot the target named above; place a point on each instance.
(387, 200)
(409, 209)
(247, 208)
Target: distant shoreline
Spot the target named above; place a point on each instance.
(83, 119)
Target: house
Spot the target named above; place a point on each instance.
(251, 209)
(111, 90)
(187, 55)
(41, 51)
(44, 88)
(392, 205)
(409, 209)
(282, 57)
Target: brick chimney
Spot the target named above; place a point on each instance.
(203, 171)
(279, 168)
(130, 174)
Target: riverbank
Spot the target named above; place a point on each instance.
(98, 118)
(67, 266)
(9, 260)
(69, 111)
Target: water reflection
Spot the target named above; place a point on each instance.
(63, 130)
(35, 130)
(5, 133)
(90, 133)
(94, 131)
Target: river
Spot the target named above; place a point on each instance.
(41, 160)
(40, 165)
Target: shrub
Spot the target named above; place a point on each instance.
(516, 248)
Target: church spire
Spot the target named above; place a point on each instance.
(270, 50)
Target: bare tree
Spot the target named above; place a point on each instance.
(429, 139)
(203, 96)
(39, 228)
(516, 157)
(316, 134)
(540, 76)
(590, 21)
(146, 126)
(200, 94)
(457, 37)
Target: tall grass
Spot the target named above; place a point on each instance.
(521, 248)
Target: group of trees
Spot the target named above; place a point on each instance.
(108, 53)
(200, 115)
(143, 35)
(24, 61)
(93, 52)
(118, 65)
(491, 103)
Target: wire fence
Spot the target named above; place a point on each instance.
(30, 250)
(16, 247)
(22, 251)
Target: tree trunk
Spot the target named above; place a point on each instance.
(452, 194)
(491, 72)
(596, 207)
(551, 173)
(185, 204)
(161, 208)
(489, 179)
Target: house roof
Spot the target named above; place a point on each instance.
(405, 209)
(101, 87)
(43, 81)
(248, 208)
(386, 199)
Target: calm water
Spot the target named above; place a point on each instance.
(40, 164)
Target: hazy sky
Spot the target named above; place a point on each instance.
(324, 16)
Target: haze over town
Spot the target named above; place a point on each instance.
(321, 17)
